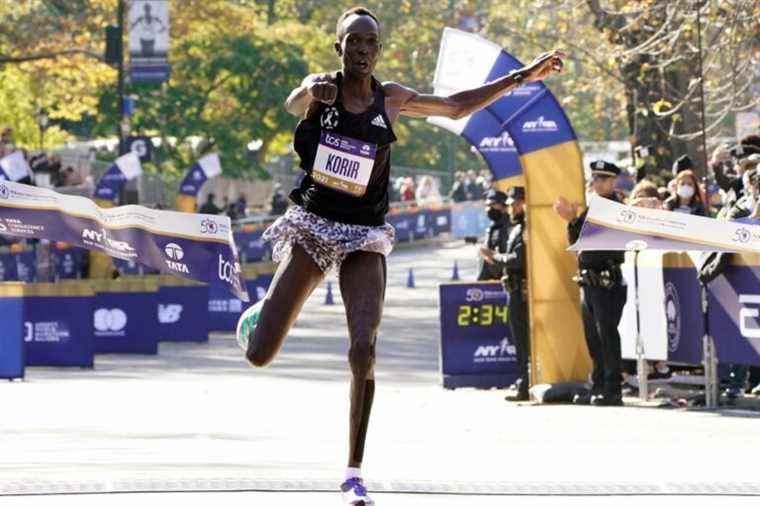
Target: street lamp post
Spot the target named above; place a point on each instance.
(42, 122)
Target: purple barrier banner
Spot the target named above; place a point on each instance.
(194, 246)
(734, 310)
(126, 322)
(252, 247)
(58, 331)
(476, 345)
(11, 336)
(68, 263)
(683, 315)
(403, 224)
(182, 313)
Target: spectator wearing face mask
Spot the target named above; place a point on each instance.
(496, 237)
(688, 197)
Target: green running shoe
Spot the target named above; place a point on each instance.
(247, 323)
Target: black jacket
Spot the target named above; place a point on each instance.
(496, 240)
(597, 260)
(512, 262)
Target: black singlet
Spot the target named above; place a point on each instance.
(371, 126)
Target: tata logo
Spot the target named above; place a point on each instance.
(4, 192)
(169, 313)
(742, 235)
(175, 253)
(110, 321)
(503, 349)
(365, 149)
(331, 140)
(474, 295)
(540, 125)
(101, 237)
(501, 143)
(626, 216)
(748, 313)
(329, 118)
(209, 226)
(672, 316)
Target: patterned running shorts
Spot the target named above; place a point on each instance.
(326, 242)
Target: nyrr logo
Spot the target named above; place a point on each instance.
(672, 316)
(175, 253)
(4, 191)
(748, 324)
(110, 322)
(494, 353)
(101, 237)
(169, 313)
(540, 125)
(501, 143)
(209, 226)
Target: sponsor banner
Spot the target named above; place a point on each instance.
(224, 311)
(69, 263)
(440, 220)
(8, 267)
(125, 168)
(193, 246)
(182, 313)
(613, 226)
(204, 169)
(26, 266)
(125, 322)
(403, 224)
(734, 311)
(475, 338)
(468, 219)
(684, 322)
(11, 336)
(252, 246)
(14, 167)
(58, 331)
(422, 226)
(149, 40)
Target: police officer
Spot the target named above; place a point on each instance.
(603, 295)
(497, 236)
(515, 283)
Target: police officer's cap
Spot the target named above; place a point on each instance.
(681, 164)
(496, 197)
(604, 169)
(742, 151)
(515, 193)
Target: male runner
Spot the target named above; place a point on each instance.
(344, 140)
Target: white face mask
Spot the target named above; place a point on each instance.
(685, 191)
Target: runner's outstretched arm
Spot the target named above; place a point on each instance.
(463, 103)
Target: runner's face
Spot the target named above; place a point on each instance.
(360, 46)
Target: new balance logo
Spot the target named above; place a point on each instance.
(379, 121)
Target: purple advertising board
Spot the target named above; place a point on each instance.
(58, 331)
(683, 314)
(125, 322)
(11, 337)
(734, 310)
(477, 349)
(182, 313)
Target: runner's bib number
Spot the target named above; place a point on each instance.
(343, 163)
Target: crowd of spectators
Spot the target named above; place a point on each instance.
(46, 168)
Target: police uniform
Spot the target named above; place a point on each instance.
(603, 297)
(496, 237)
(513, 264)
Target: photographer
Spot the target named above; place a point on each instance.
(603, 295)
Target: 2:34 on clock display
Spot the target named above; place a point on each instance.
(482, 314)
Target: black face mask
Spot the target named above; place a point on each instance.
(495, 215)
